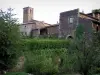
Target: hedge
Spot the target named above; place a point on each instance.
(45, 62)
(37, 44)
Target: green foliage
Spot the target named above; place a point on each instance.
(96, 11)
(45, 62)
(79, 31)
(9, 40)
(86, 51)
(37, 44)
(42, 56)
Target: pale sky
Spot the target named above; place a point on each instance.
(49, 10)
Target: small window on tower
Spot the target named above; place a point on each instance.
(71, 20)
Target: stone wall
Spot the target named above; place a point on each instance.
(68, 22)
(87, 24)
(53, 30)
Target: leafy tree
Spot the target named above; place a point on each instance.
(96, 11)
(86, 51)
(79, 31)
(9, 40)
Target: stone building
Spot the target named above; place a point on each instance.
(69, 20)
(52, 30)
(31, 27)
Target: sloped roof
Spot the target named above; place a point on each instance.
(39, 24)
(91, 18)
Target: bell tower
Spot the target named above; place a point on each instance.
(27, 14)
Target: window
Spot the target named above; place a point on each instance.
(71, 20)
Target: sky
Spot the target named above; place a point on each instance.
(49, 10)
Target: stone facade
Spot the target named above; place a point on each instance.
(69, 21)
(36, 26)
(31, 27)
(53, 30)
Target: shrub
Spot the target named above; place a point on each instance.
(45, 62)
(37, 44)
(9, 41)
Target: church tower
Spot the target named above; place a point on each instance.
(27, 14)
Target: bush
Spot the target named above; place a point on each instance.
(9, 41)
(46, 56)
(45, 62)
(37, 44)
(95, 70)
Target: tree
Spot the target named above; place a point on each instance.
(96, 11)
(9, 40)
(86, 51)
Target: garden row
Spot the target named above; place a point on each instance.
(38, 44)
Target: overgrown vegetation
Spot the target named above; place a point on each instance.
(39, 44)
(9, 40)
(86, 51)
(45, 56)
(44, 62)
